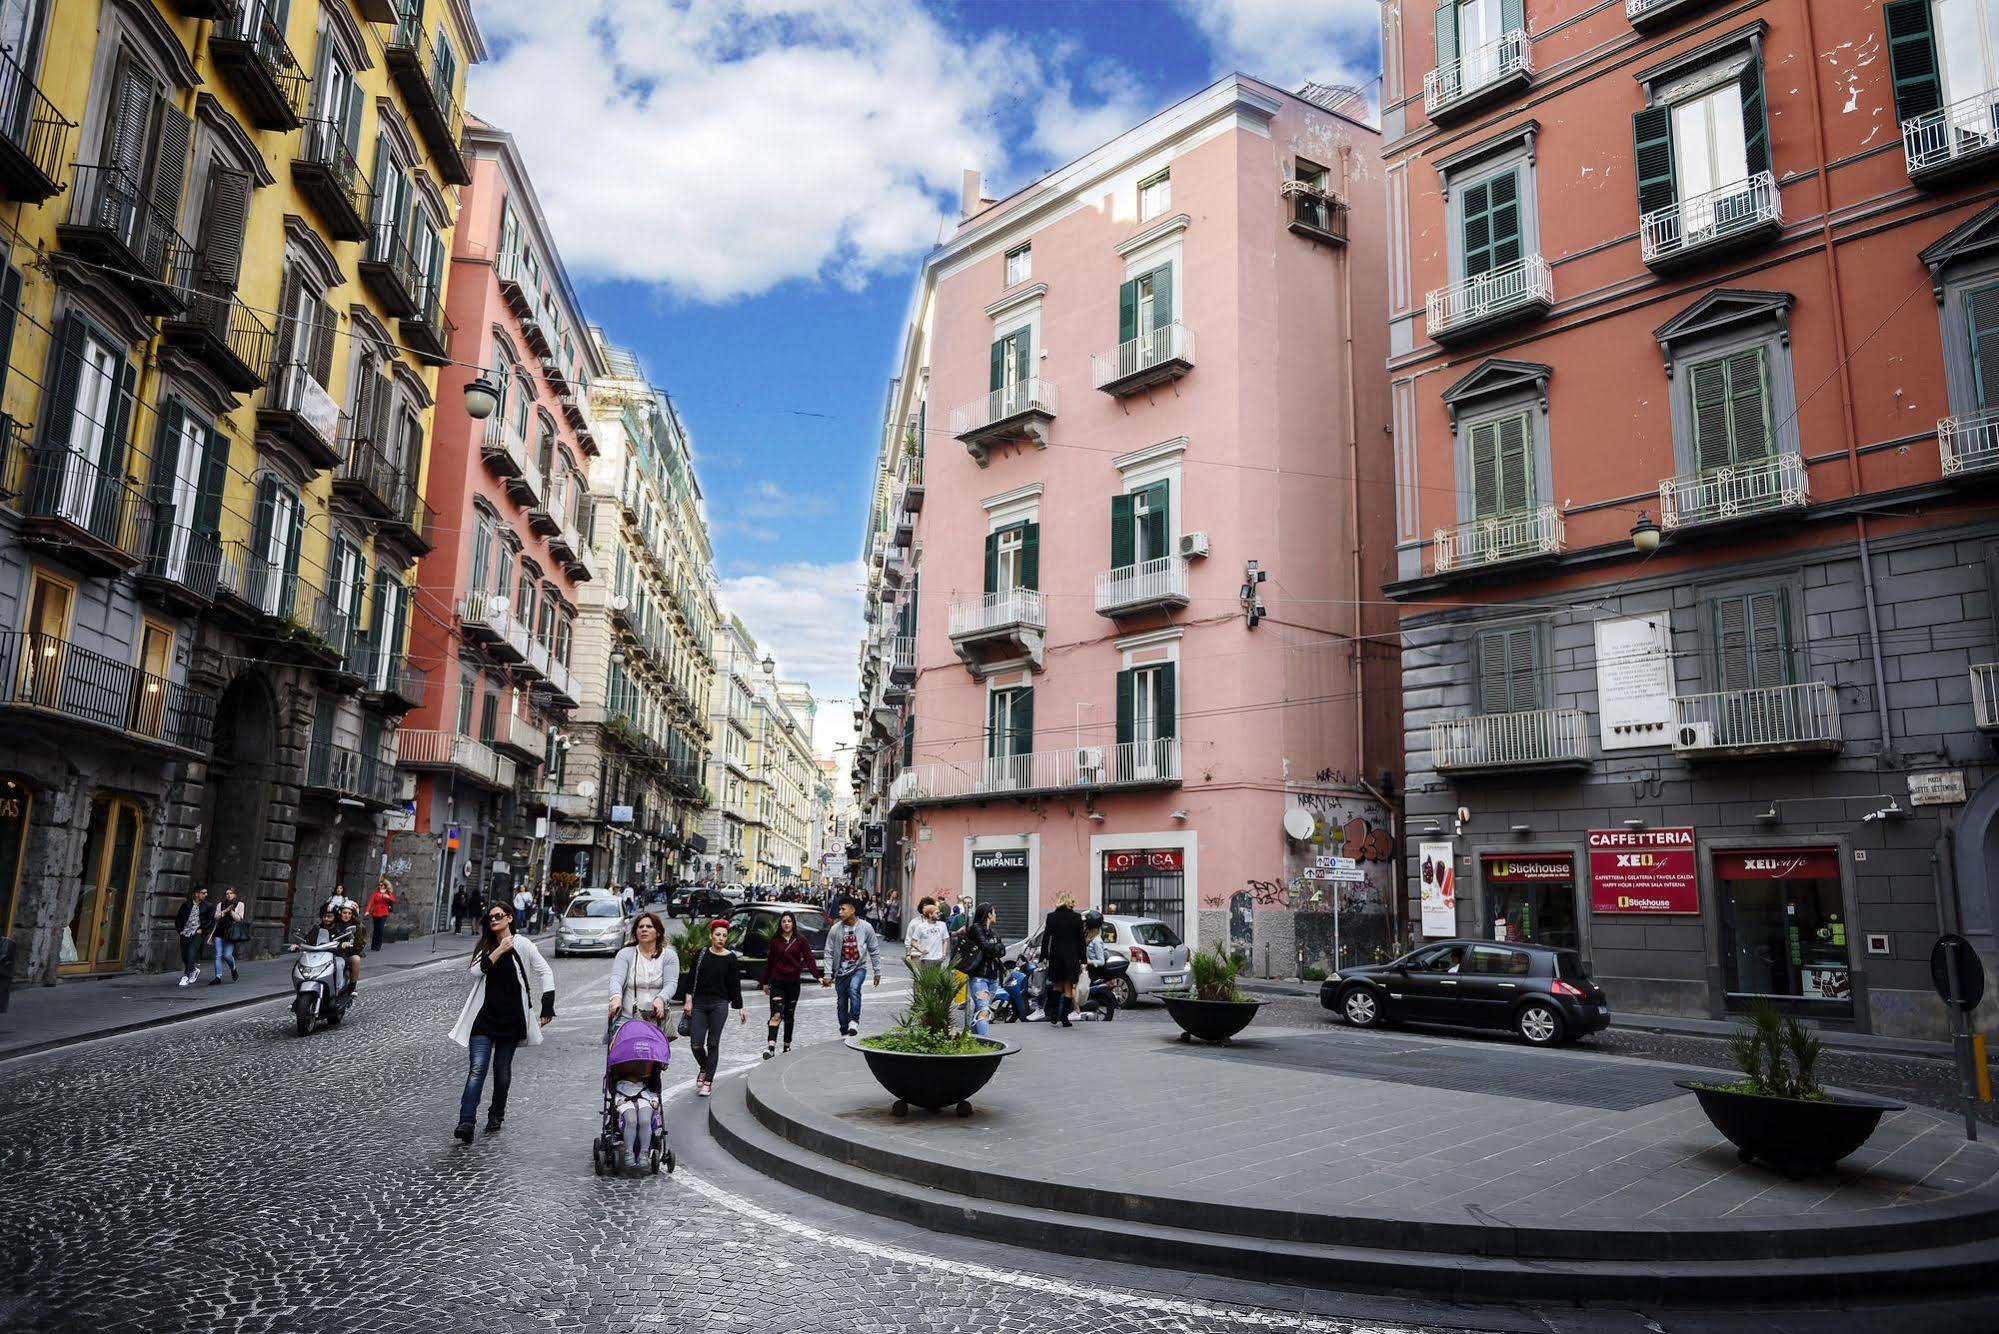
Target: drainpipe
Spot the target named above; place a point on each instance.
(1353, 488)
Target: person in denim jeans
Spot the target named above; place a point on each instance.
(228, 930)
(499, 1015)
(852, 953)
(981, 957)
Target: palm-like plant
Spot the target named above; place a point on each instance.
(1215, 975)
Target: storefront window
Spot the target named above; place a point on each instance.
(15, 802)
(1784, 929)
(1147, 884)
(1531, 898)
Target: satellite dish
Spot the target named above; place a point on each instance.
(1299, 824)
(586, 789)
(620, 602)
(499, 604)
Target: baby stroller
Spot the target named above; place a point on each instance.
(639, 1053)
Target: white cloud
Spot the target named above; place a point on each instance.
(808, 617)
(769, 500)
(1290, 42)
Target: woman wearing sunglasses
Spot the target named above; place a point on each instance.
(500, 1014)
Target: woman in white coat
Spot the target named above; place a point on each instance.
(500, 1014)
(645, 974)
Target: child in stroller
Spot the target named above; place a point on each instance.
(633, 1131)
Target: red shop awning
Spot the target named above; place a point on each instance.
(1778, 864)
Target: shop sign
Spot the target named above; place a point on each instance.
(1643, 871)
(1440, 894)
(1161, 859)
(1010, 859)
(621, 815)
(1942, 787)
(1778, 864)
(1541, 868)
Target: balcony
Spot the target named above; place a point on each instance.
(535, 667)
(1969, 443)
(902, 659)
(1135, 764)
(1745, 213)
(298, 410)
(1157, 356)
(517, 735)
(1793, 719)
(33, 137)
(426, 88)
(999, 629)
(1743, 491)
(562, 543)
(1952, 140)
(181, 565)
(559, 685)
(115, 227)
(1152, 585)
(504, 451)
(326, 172)
(581, 565)
(389, 680)
(248, 46)
(368, 481)
(485, 619)
(1524, 289)
(346, 774)
(1018, 412)
(220, 333)
(1479, 78)
(427, 333)
(94, 518)
(423, 749)
(389, 270)
(1316, 214)
(527, 487)
(902, 524)
(534, 328)
(1648, 15)
(1498, 742)
(1522, 535)
(1985, 696)
(50, 678)
(517, 286)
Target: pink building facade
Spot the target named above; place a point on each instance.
(1133, 503)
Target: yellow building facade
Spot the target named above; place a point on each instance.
(223, 300)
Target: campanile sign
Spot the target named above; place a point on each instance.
(1648, 871)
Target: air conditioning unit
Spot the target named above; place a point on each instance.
(1193, 544)
(1694, 736)
(1089, 759)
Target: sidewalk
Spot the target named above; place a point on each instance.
(77, 1009)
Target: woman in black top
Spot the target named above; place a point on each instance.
(711, 988)
(512, 1000)
(981, 956)
(1062, 942)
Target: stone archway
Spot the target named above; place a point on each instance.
(1977, 868)
(241, 777)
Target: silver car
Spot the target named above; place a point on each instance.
(1157, 955)
(593, 925)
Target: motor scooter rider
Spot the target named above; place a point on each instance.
(329, 932)
(350, 951)
(1095, 956)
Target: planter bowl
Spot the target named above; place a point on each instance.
(1797, 1137)
(1210, 1021)
(932, 1081)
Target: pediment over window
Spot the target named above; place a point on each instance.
(1975, 238)
(1725, 310)
(1494, 377)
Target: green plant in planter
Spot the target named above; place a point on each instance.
(1215, 973)
(925, 1027)
(1777, 1057)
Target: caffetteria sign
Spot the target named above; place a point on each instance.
(1647, 871)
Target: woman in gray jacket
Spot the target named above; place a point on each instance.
(645, 974)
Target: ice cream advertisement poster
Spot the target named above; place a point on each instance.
(1437, 866)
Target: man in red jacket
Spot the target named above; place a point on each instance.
(380, 904)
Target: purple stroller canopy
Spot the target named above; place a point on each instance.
(638, 1040)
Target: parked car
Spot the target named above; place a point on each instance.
(697, 901)
(733, 893)
(1157, 955)
(757, 922)
(593, 924)
(1544, 995)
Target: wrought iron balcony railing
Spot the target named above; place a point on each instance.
(248, 46)
(1800, 717)
(297, 409)
(347, 772)
(426, 86)
(1156, 355)
(1985, 695)
(115, 224)
(1501, 537)
(180, 556)
(388, 266)
(52, 676)
(1969, 442)
(1706, 220)
(1147, 584)
(224, 335)
(1719, 494)
(33, 136)
(1945, 138)
(1154, 763)
(329, 175)
(70, 496)
(1534, 739)
(1482, 68)
(1525, 286)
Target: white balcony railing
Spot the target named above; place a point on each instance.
(1969, 442)
(428, 749)
(1503, 537)
(1537, 738)
(1961, 129)
(1145, 584)
(1804, 716)
(1985, 694)
(476, 610)
(558, 677)
(902, 654)
(1171, 345)
(1135, 763)
(1475, 69)
(1033, 395)
(1494, 292)
(1019, 607)
(537, 656)
(1718, 494)
(1706, 218)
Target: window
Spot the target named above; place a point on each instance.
(1144, 308)
(1700, 148)
(1730, 399)
(1733, 400)
(1155, 195)
(1012, 369)
(336, 99)
(1489, 223)
(1145, 707)
(394, 198)
(1019, 264)
(1507, 665)
(1013, 558)
(1967, 42)
(390, 623)
(279, 521)
(347, 576)
(190, 460)
(1981, 318)
(1480, 26)
(1502, 466)
(1752, 640)
(1010, 724)
(1141, 526)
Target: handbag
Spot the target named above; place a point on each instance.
(686, 1025)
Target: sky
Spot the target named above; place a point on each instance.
(742, 191)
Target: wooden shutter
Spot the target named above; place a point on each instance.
(1912, 58)
(1512, 16)
(1164, 710)
(908, 739)
(125, 139)
(224, 218)
(999, 364)
(1752, 641)
(290, 337)
(1447, 33)
(323, 320)
(10, 312)
(1156, 519)
(385, 163)
(1023, 351)
(264, 517)
(364, 405)
(1162, 296)
(169, 173)
(1755, 118)
(1505, 219)
(1516, 469)
(1123, 548)
(992, 562)
(1509, 669)
(1485, 470)
(1127, 311)
(214, 477)
(63, 381)
(297, 521)
(1748, 406)
(1030, 555)
(111, 456)
(1023, 721)
(1707, 386)
(1475, 227)
(995, 709)
(166, 453)
(1981, 318)
(1652, 150)
(1127, 681)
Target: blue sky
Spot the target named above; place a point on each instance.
(742, 190)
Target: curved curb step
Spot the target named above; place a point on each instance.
(1972, 1266)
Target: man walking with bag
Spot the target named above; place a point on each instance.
(853, 953)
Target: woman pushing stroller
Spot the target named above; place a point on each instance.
(644, 976)
(633, 1132)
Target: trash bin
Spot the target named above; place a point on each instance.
(6, 971)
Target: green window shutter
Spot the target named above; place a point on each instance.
(1023, 349)
(224, 218)
(384, 215)
(1981, 318)
(1505, 219)
(1707, 386)
(1769, 638)
(1508, 668)
(1475, 227)
(1163, 705)
(292, 338)
(63, 381)
(1162, 296)
(1731, 643)
(264, 521)
(1156, 524)
(10, 312)
(214, 477)
(1755, 118)
(172, 139)
(111, 456)
(1447, 33)
(1748, 406)
(992, 563)
(1127, 311)
(166, 454)
(1912, 58)
(125, 135)
(291, 550)
(1516, 468)
(1485, 470)
(908, 740)
(1030, 555)
(995, 711)
(378, 622)
(1023, 721)
(1126, 709)
(1652, 150)
(1512, 15)
(1123, 551)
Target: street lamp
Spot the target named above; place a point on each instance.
(769, 664)
(482, 396)
(1645, 534)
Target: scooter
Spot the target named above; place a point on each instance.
(1101, 1001)
(316, 987)
(1020, 990)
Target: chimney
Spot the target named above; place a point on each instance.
(968, 194)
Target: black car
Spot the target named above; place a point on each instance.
(697, 901)
(1543, 994)
(753, 925)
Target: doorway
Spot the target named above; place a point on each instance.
(97, 937)
(240, 776)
